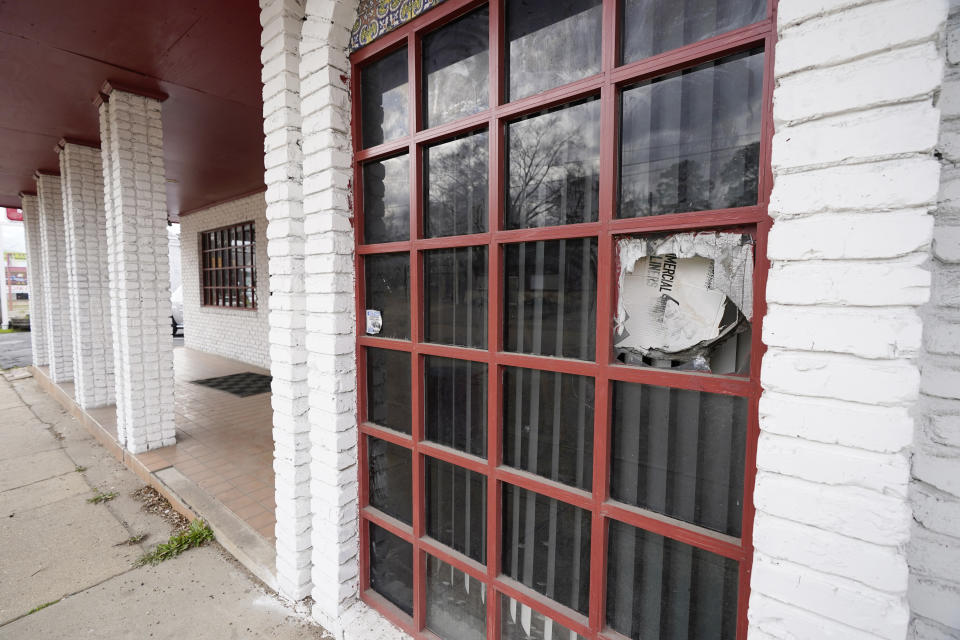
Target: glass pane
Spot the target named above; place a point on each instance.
(386, 200)
(455, 394)
(520, 622)
(455, 296)
(690, 141)
(455, 183)
(654, 26)
(554, 166)
(456, 508)
(680, 453)
(388, 293)
(546, 546)
(388, 388)
(548, 425)
(550, 297)
(551, 43)
(391, 478)
(456, 602)
(383, 91)
(661, 588)
(685, 301)
(456, 69)
(391, 567)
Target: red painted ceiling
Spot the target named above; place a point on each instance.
(204, 54)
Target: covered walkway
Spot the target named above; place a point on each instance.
(223, 457)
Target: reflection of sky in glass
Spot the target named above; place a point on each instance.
(554, 167)
(386, 200)
(455, 177)
(654, 26)
(455, 69)
(690, 141)
(551, 43)
(383, 89)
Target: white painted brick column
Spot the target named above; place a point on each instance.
(85, 222)
(136, 205)
(855, 182)
(325, 106)
(934, 551)
(55, 289)
(30, 205)
(281, 21)
(324, 69)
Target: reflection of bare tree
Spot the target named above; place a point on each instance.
(456, 181)
(692, 185)
(554, 168)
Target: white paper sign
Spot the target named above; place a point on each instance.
(374, 322)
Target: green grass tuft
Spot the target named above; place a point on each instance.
(80, 469)
(196, 536)
(43, 606)
(99, 498)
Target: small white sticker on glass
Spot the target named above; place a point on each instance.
(374, 322)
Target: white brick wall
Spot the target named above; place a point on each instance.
(240, 334)
(85, 224)
(30, 206)
(934, 551)
(55, 286)
(855, 182)
(136, 205)
(283, 159)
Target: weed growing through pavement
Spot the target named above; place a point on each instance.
(196, 535)
(43, 606)
(99, 498)
(80, 469)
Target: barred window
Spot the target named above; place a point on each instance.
(228, 270)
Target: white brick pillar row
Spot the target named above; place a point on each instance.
(281, 21)
(30, 205)
(81, 175)
(138, 263)
(855, 181)
(55, 290)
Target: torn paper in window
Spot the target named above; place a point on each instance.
(680, 295)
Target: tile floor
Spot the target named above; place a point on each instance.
(224, 442)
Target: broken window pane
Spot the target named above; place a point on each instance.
(685, 302)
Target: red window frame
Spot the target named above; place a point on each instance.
(214, 280)
(753, 219)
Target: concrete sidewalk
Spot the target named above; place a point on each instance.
(57, 547)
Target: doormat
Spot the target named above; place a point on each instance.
(239, 384)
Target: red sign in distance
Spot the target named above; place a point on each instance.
(14, 214)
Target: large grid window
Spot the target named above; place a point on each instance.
(228, 269)
(561, 223)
